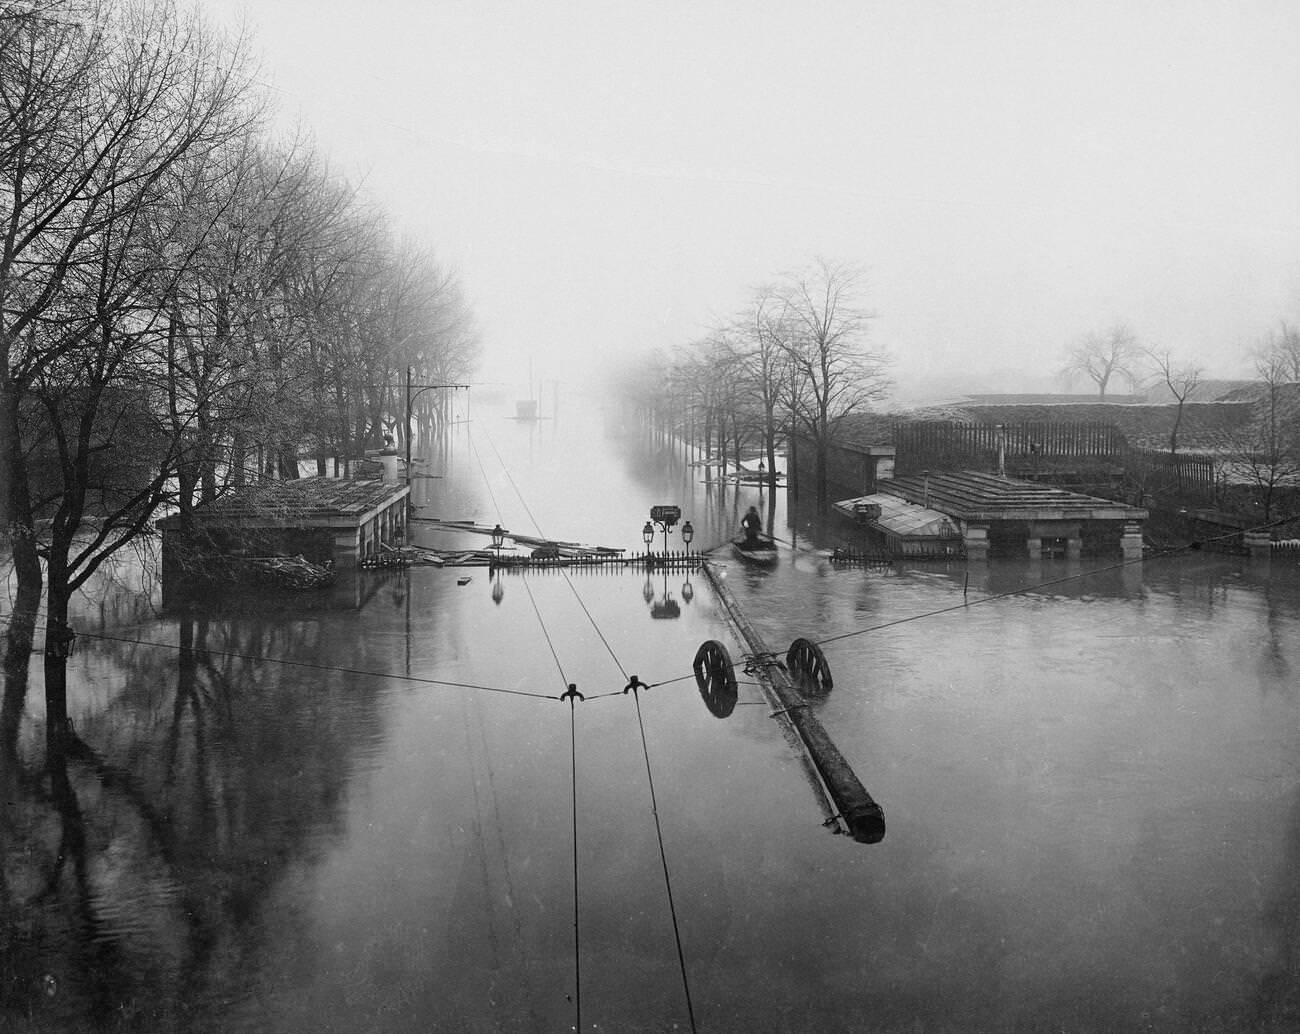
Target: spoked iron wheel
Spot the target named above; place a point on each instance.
(808, 668)
(716, 677)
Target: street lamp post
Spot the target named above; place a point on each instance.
(648, 536)
(420, 389)
(688, 533)
(407, 468)
(498, 538)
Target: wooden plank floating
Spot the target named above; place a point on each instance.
(864, 818)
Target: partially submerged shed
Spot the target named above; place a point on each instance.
(333, 521)
(909, 529)
(1010, 515)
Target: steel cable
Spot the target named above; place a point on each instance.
(312, 665)
(634, 686)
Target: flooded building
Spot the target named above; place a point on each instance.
(997, 488)
(334, 522)
(1003, 516)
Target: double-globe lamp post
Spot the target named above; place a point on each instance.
(648, 536)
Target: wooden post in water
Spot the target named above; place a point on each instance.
(864, 818)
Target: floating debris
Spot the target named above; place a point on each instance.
(542, 549)
(285, 572)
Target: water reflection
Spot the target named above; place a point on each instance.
(659, 596)
(139, 865)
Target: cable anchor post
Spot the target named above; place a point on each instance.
(634, 683)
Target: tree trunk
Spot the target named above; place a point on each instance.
(20, 531)
(823, 489)
(238, 455)
(790, 462)
(722, 443)
(58, 645)
(17, 664)
(207, 456)
(822, 435)
(769, 444)
(186, 480)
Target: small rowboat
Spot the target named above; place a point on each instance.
(761, 551)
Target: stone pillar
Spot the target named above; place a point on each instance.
(1258, 544)
(1074, 546)
(1034, 546)
(1130, 540)
(976, 538)
(347, 548)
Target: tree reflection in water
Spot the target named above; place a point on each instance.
(137, 852)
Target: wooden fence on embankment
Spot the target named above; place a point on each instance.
(1089, 456)
(1039, 444)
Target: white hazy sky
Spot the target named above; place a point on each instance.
(611, 176)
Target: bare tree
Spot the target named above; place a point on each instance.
(763, 336)
(1280, 350)
(1181, 381)
(725, 394)
(46, 58)
(171, 289)
(832, 371)
(1101, 357)
(1266, 454)
(103, 110)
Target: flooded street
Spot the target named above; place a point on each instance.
(360, 815)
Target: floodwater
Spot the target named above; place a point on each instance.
(359, 814)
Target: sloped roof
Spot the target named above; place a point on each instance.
(298, 502)
(973, 495)
(903, 519)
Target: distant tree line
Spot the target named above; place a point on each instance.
(796, 360)
(186, 300)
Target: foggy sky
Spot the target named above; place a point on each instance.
(610, 177)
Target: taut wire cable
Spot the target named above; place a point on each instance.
(312, 665)
(634, 684)
(663, 854)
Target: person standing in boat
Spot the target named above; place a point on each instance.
(752, 524)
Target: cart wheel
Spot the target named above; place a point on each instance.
(808, 668)
(716, 677)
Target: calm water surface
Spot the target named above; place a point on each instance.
(357, 815)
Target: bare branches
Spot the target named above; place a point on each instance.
(1181, 380)
(1103, 357)
(833, 372)
(796, 360)
(1277, 355)
(175, 293)
(1266, 454)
